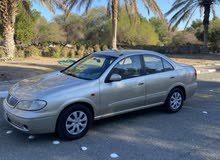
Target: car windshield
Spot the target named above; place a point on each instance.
(91, 67)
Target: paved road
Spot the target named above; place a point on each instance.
(148, 134)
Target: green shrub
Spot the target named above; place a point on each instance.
(71, 53)
(32, 51)
(64, 52)
(88, 51)
(2, 53)
(81, 50)
(55, 52)
(74, 48)
(97, 48)
(27, 54)
(105, 47)
(19, 53)
(46, 53)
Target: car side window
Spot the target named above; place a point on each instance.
(128, 68)
(153, 64)
(167, 66)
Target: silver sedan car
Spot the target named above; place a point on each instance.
(100, 85)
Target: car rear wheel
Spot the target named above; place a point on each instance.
(74, 122)
(174, 101)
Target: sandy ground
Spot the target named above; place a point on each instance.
(24, 68)
(197, 60)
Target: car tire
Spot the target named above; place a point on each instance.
(174, 101)
(74, 122)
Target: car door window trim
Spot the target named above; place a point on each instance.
(162, 59)
(142, 69)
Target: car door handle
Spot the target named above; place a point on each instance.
(172, 77)
(141, 83)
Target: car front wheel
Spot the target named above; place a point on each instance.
(74, 122)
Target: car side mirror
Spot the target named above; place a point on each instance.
(115, 77)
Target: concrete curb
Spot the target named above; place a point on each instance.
(203, 70)
(206, 65)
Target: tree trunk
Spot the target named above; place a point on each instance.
(207, 8)
(9, 43)
(206, 35)
(115, 6)
(8, 9)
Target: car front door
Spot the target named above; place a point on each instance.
(160, 75)
(129, 92)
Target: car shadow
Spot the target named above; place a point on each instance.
(131, 115)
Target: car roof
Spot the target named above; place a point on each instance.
(118, 53)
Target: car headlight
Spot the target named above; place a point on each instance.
(31, 105)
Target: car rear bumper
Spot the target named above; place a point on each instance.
(191, 89)
(33, 125)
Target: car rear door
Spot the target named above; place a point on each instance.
(160, 75)
(125, 94)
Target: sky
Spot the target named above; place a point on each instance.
(165, 5)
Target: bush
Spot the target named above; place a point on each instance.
(81, 51)
(54, 52)
(71, 53)
(89, 51)
(105, 47)
(2, 53)
(46, 53)
(19, 52)
(74, 48)
(57, 52)
(32, 51)
(27, 54)
(97, 48)
(64, 52)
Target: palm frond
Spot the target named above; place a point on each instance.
(53, 4)
(190, 17)
(26, 6)
(109, 8)
(134, 8)
(70, 4)
(201, 10)
(127, 5)
(213, 11)
(153, 6)
(184, 10)
(176, 6)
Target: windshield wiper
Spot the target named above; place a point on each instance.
(69, 74)
(73, 75)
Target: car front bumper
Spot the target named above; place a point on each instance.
(29, 122)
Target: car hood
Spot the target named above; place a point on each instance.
(43, 85)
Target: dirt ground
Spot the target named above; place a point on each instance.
(197, 60)
(25, 68)
(29, 67)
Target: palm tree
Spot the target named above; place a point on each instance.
(115, 6)
(113, 10)
(184, 9)
(8, 11)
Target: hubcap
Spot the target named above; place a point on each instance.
(175, 100)
(76, 122)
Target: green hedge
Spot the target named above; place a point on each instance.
(58, 51)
